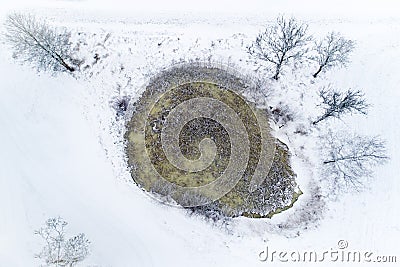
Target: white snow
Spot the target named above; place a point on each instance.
(61, 152)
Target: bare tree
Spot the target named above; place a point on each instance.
(350, 158)
(337, 104)
(58, 250)
(333, 50)
(34, 41)
(284, 41)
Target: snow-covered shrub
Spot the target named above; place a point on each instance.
(282, 114)
(59, 251)
(120, 105)
(211, 212)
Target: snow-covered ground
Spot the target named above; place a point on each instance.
(61, 152)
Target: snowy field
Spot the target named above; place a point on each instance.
(61, 144)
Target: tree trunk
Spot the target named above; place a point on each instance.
(319, 119)
(63, 63)
(319, 70)
(278, 69)
(68, 67)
